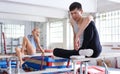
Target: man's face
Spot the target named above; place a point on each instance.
(76, 14)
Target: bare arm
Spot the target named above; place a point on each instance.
(38, 44)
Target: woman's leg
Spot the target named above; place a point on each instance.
(64, 53)
(19, 54)
(26, 45)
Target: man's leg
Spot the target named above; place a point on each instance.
(64, 53)
(59, 52)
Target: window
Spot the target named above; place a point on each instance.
(108, 25)
(13, 30)
(56, 32)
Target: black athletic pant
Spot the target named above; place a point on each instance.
(59, 52)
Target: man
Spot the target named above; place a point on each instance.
(86, 38)
(29, 45)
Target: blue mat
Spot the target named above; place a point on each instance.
(49, 59)
(3, 64)
(33, 66)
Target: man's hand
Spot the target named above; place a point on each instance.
(72, 22)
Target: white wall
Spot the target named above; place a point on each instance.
(107, 5)
(67, 35)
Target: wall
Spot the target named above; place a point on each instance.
(28, 28)
(43, 33)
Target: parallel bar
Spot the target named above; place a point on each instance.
(102, 56)
(9, 57)
(81, 70)
(38, 54)
(74, 67)
(86, 68)
(106, 68)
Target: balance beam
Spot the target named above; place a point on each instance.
(7, 56)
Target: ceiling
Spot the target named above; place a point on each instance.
(102, 5)
(40, 10)
(61, 4)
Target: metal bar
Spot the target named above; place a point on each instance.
(81, 70)
(1, 38)
(86, 67)
(74, 67)
(9, 66)
(106, 68)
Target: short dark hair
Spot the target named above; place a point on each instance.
(75, 5)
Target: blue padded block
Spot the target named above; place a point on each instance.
(35, 66)
(49, 59)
